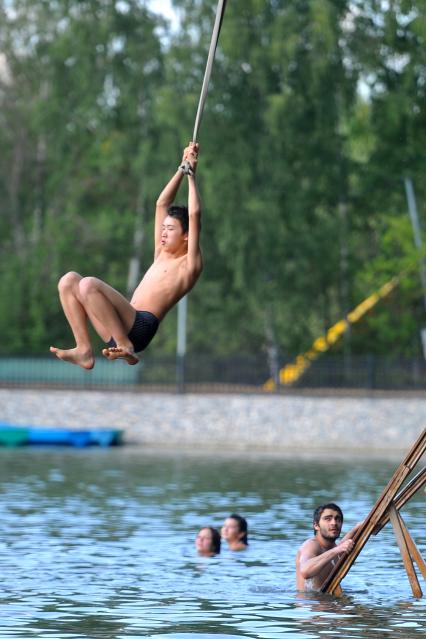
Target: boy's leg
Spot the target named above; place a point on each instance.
(76, 315)
(109, 312)
(111, 315)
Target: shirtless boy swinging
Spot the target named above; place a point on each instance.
(128, 327)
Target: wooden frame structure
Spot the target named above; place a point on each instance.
(387, 509)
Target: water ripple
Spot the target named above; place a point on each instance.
(101, 545)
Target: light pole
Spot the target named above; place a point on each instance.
(181, 344)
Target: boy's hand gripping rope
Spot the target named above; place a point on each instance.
(186, 168)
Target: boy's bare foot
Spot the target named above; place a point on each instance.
(119, 352)
(84, 359)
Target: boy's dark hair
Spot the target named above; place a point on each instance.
(319, 511)
(242, 525)
(180, 213)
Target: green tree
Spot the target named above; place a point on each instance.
(79, 136)
(277, 167)
(388, 135)
(313, 118)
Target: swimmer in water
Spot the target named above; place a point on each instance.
(235, 532)
(207, 542)
(317, 556)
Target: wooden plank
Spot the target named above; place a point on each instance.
(414, 551)
(395, 519)
(405, 495)
(372, 520)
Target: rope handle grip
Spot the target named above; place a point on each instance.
(186, 168)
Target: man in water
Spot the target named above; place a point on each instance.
(128, 327)
(317, 556)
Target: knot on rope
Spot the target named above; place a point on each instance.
(186, 168)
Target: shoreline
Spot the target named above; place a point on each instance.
(229, 422)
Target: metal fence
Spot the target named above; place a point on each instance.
(369, 372)
(204, 372)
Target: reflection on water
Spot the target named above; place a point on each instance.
(99, 543)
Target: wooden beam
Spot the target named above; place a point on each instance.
(372, 520)
(405, 495)
(414, 551)
(395, 519)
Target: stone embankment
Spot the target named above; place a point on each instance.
(229, 422)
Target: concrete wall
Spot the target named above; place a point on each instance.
(228, 422)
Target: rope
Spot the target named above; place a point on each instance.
(220, 11)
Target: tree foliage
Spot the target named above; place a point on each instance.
(313, 118)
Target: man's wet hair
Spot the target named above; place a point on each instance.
(319, 511)
(180, 213)
(242, 526)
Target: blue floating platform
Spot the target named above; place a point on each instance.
(11, 435)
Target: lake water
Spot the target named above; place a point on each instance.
(99, 543)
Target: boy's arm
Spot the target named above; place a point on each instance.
(311, 563)
(195, 263)
(165, 199)
(168, 194)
